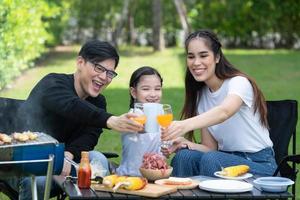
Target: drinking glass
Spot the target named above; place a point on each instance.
(141, 118)
(164, 120)
(139, 110)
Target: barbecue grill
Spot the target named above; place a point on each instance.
(27, 153)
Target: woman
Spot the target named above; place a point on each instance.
(228, 108)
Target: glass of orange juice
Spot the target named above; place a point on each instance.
(139, 110)
(141, 118)
(164, 120)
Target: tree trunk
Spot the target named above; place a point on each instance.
(132, 33)
(158, 39)
(181, 9)
(116, 34)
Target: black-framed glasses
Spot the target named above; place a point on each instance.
(100, 69)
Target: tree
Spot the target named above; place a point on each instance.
(181, 9)
(157, 34)
(121, 23)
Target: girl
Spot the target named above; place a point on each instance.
(227, 106)
(145, 87)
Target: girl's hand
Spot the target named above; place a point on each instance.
(178, 143)
(176, 129)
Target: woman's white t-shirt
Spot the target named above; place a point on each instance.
(243, 131)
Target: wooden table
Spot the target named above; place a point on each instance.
(73, 192)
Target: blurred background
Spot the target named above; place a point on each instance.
(28, 28)
(260, 37)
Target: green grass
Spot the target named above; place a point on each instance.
(277, 73)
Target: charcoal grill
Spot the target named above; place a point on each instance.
(42, 156)
(31, 150)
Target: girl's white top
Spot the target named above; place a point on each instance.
(134, 146)
(242, 131)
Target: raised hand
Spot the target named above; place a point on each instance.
(124, 123)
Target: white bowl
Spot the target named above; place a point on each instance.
(273, 184)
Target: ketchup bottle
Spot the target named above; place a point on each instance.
(84, 171)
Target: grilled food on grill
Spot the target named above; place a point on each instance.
(5, 138)
(21, 137)
(237, 170)
(25, 136)
(31, 135)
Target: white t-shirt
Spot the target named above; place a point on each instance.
(243, 131)
(134, 146)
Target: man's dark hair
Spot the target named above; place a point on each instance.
(97, 51)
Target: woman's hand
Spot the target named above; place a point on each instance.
(178, 143)
(124, 123)
(176, 129)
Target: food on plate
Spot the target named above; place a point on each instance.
(154, 161)
(236, 170)
(177, 181)
(5, 138)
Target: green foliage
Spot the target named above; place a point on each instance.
(23, 34)
(241, 22)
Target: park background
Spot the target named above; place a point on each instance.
(261, 38)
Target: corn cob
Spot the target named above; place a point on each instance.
(135, 183)
(110, 181)
(131, 183)
(235, 170)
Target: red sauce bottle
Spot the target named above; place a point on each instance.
(84, 171)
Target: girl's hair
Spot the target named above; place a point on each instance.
(136, 76)
(224, 70)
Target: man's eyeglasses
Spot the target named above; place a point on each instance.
(100, 69)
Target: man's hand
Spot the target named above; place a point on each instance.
(124, 123)
(67, 166)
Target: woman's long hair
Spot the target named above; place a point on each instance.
(224, 70)
(136, 76)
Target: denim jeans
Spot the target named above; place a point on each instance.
(192, 163)
(23, 184)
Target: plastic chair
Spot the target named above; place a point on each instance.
(282, 119)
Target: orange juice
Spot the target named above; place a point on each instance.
(140, 119)
(164, 120)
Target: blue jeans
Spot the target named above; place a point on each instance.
(23, 184)
(192, 163)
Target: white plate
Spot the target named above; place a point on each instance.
(244, 176)
(225, 186)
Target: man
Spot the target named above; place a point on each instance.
(71, 108)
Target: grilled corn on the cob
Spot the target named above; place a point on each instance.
(135, 183)
(110, 181)
(235, 170)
